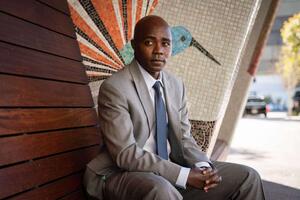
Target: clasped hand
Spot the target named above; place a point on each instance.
(204, 178)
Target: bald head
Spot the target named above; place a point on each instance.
(152, 44)
(150, 21)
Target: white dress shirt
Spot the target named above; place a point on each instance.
(150, 144)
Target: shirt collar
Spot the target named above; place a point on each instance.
(150, 81)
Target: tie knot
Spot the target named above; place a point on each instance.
(156, 86)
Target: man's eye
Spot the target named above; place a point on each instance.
(148, 42)
(166, 44)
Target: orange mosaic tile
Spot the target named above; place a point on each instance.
(129, 19)
(91, 53)
(106, 12)
(79, 22)
(122, 18)
(154, 4)
(139, 8)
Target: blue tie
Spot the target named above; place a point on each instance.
(161, 123)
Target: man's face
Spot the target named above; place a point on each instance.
(152, 47)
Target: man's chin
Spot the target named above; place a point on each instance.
(157, 64)
(157, 68)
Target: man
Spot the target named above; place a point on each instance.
(149, 152)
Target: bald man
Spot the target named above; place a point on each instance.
(149, 152)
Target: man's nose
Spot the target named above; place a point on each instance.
(158, 49)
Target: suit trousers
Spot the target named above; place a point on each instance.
(238, 182)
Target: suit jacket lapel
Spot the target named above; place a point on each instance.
(143, 93)
(170, 94)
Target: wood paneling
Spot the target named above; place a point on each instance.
(22, 61)
(48, 126)
(30, 146)
(78, 195)
(24, 33)
(28, 92)
(54, 190)
(57, 4)
(15, 120)
(28, 175)
(40, 14)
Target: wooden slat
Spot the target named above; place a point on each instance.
(26, 34)
(27, 147)
(40, 14)
(23, 61)
(53, 190)
(29, 92)
(58, 4)
(25, 176)
(14, 121)
(78, 195)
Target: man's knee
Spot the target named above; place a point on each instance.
(249, 178)
(238, 174)
(160, 188)
(251, 173)
(251, 187)
(140, 185)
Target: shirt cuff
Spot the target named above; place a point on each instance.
(182, 177)
(202, 164)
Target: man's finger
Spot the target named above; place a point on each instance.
(210, 172)
(214, 179)
(208, 187)
(212, 183)
(206, 170)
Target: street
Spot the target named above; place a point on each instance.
(271, 146)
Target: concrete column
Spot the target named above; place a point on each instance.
(248, 65)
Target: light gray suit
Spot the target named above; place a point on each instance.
(127, 117)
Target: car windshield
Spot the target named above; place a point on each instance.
(255, 100)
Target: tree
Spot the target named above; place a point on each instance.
(289, 60)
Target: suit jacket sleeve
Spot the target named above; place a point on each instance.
(191, 151)
(117, 129)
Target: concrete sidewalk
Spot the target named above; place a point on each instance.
(272, 147)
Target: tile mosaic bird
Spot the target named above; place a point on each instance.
(181, 39)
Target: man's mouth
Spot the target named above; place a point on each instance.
(158, 60)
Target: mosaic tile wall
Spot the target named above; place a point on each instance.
(221, 27)
(104, 29)
(202, 132)
(208, 38)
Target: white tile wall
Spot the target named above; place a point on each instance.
(221, 27)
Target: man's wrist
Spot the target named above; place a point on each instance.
(203, 165)
(183, 177)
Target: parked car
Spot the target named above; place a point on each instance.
(296, 102)
(256, 105)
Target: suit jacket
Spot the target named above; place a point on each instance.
(126, 118)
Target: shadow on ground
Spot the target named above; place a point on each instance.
(248, 154)
(275, 191)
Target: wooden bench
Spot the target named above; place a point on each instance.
(48, 126)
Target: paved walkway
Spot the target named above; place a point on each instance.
(272, 147)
